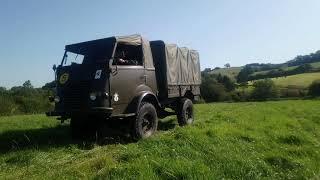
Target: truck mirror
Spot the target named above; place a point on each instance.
(54, 67)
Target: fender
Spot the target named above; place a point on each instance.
(133, 107)
(149, 96)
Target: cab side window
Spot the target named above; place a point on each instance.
(128, 55)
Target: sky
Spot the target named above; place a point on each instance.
(33, 33)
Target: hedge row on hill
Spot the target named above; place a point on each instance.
(214, 91)
(305, 68)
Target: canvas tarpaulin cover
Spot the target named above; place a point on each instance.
(137, 40)
(106, 46)
(183, 66)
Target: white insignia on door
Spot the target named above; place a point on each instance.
(98, 74)
(116, 97)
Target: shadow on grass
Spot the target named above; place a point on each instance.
(35, 138)
(60, 136)
(167, 125)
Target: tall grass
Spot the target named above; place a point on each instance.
(256, 140)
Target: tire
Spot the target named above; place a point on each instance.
(146, 121)
(185, 112)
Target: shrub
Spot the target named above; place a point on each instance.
(7, 106)
(24, 100)
(213, 92)
(214, 87)
(264, 89)
(314, 88)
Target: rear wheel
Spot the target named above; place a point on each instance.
(146, 121)
(185, 112)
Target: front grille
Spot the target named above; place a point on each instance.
(76, 95)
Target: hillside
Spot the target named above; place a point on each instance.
(255, 71)
(256, 140)
(299, 80)
(315, 65)
(231, 72)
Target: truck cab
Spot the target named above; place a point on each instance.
(121, 77)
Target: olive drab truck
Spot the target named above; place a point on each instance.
(126, 77)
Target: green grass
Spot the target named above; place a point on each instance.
(231, 72)
(299, 80)
(256, 140)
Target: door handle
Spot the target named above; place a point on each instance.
(145, 78)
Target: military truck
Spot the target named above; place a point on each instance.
(126, 77)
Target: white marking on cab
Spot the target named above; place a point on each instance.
(116, 97)
(98, 74)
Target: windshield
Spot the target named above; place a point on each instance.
(73, 58)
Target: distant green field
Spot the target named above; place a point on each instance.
(230, 72)
(315, 65)
(302, 80)
(255, 140)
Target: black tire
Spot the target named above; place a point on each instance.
(146, 121)
(185, 112)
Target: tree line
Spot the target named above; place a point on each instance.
(24, 99)
(216, 87)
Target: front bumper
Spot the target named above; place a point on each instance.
(93, 110)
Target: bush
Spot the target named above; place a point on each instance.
(213, 92)
(24, 100)
(216, 87)
(7, 106)
(314, 88)
(264, 89)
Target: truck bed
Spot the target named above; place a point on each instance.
(177, 69)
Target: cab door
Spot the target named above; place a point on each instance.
(126, 78)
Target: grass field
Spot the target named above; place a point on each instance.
(256, 140)
(301, 80)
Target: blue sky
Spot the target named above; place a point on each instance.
(33, 33)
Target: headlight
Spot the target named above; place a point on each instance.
(106, 95)
(93, 96)
(57, 99)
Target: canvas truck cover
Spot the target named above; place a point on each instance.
(181, 65)
(106, 46)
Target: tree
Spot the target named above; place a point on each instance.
(27, 84)
(243, 75)
(207, 70)
(49, 86)
(226, 81)
(302, 69)
(211, 89)
(314, 88)
(264, 89)
(227, 65)
(2, 89)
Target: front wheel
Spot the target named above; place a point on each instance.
(185, 112)
(146, 121)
